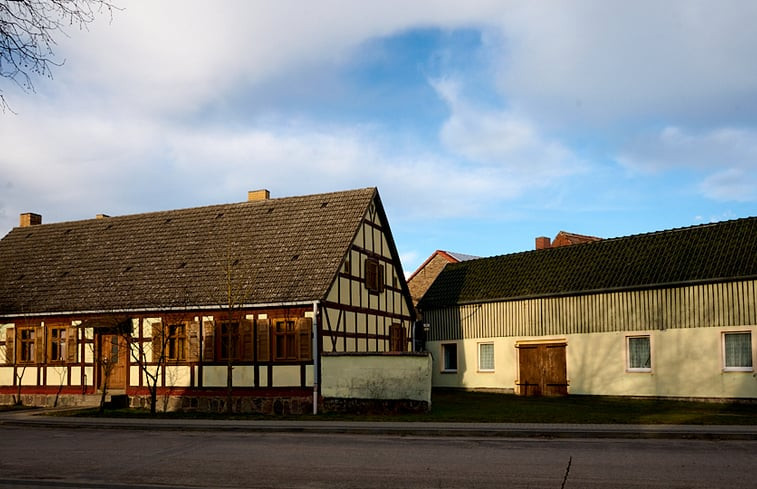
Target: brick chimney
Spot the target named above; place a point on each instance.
(29, 219)
(543, 242)
(256, 195)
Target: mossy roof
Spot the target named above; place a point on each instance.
(705, 253)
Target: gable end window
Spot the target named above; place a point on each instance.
(374, 275)
(639, 354)
(737, 352)
(449, 357)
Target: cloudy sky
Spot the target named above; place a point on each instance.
(483, 123)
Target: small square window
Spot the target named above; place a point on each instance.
(639, 354)
(486, 357)
(737, 352)
(449, 357)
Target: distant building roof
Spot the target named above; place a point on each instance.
(284, 249)
(709, 252)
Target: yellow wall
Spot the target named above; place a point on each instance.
(685, 363)
(377, 377)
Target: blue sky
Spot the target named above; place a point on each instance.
(483, 125)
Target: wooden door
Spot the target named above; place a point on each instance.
(112, 361)
(542, 370)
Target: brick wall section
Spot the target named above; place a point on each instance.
(423, 279)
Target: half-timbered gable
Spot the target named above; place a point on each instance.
(671, 313)
(243, 296)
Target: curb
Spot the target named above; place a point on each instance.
(431, 429)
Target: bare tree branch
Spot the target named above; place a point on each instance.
(27, 35)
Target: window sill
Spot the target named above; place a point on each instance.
(449, 371)
(738, 369)
(638, 370)
(485, 371)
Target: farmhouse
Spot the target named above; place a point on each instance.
(258, 304)
(670, 314)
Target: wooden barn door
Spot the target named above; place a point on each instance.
(542, 369)
(113, 351)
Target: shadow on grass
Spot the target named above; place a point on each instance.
(478, 407)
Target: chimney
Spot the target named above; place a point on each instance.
(102, 216)
(256, 195)
(29, 219)
(542, 243)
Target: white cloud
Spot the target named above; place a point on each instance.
(507, 144)
(726, 156)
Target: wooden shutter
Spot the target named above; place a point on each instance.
(208, 341)
(304, 344)
(245, 336)
(157, 341)
(264, 340)
(72, 335)
(10, 343)
(39, 344)
(381, 279)
(397, 338)
(193, 340)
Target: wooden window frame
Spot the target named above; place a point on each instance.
(478, 359)
(629, 367)
(57, 344)
(26, 341)
(223, 344)
(373, 275)
(285, 340)
(176, 342)
(444, 368)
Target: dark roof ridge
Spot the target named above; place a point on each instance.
(605, 241)
(195, 208)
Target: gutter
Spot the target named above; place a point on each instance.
(158, 308)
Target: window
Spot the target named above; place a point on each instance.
(176, 343)
(229, 337)
(737, 352)
(486, 357)
(26, 344)
(284, 340)
(449, 357)
(374, 276)
(397, 338)
(639, 354)
(57, 345)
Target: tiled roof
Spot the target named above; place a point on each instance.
(284, 250)
(709, 252)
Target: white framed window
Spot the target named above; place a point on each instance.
(737, 351)
(449, 357)
(486, 357)
(638, 353)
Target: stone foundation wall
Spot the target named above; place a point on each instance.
(279, 406)
(372, 406)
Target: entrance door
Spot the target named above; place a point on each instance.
(112, 361)
(542, 370)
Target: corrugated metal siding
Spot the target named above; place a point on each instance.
(708, 305)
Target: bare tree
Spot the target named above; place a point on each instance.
(27, 35)
(167, 342)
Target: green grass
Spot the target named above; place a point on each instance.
(478, 407)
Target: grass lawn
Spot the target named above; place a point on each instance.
(479, 407)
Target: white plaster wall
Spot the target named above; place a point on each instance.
(214, 376)
(243, 376)
(57, 375)
(686, 362)
(6, 376)
(377, 377)
(286, 376)
(178, 376)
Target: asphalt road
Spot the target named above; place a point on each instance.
(34, 457)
